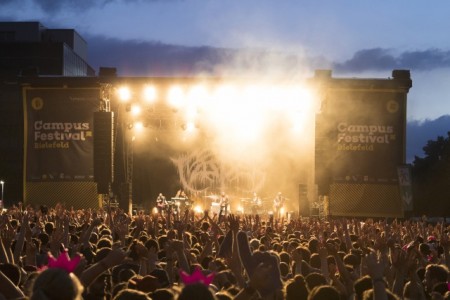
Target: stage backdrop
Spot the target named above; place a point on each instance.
(58, 156)
(360, 143)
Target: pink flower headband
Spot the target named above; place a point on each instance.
(196, 277)
(63, 262)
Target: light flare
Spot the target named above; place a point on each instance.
(124, 93)
(198, 209)
(176, 96)
(149, 93)
(138, 126)
(135, 110)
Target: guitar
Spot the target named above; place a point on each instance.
(161, 202)
(278, 203)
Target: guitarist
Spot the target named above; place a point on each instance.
(161, 204)
(278, 203)
(223, 202)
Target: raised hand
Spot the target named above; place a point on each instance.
(234, 223)
(375, 268)
(31, 250)
(251, 261)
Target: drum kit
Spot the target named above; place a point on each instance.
(245, 205)
(177, 204)
(253, 206)
(215, 203)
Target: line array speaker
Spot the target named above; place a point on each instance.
(103, 150)
(303, 204)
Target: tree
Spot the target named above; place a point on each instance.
(431, 178)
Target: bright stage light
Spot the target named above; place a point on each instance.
(198, 209)
(138, 126)
(197, 95)
(225, 93)
(176, 96)
(149, 93)
(190, 126)
(298, 121)
(124, 93)
(299, 98)
(135, 109)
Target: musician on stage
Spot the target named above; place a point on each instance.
(161, 204)
(181, 194)
(255, 203)
(278, 203)
(223, 202)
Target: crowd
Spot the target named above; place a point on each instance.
(61, 253)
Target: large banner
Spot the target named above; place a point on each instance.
(360, 142)
(364, 133)
(58, 134)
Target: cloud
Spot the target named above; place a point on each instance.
(156, 58)
(379, 59)
(139, 58)
(136, 58)
(418, 133)
(376, 59)
(52, 6)
(425, 60)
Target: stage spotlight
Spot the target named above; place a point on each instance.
(138, 126)
(135, 109)
(150, 93)
(176, 97)
(188, 126)
(198, 209)
(124, 93)
(155, 210)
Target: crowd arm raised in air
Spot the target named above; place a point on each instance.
(105, 253)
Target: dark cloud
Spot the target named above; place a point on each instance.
(425, 60)
(379, 59)
(137, 58)
(52, 6)
(149, 58)
(419, 133)
(134, 58)
(369, 59)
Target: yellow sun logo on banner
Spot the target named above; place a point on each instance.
(392, 106)
(37, 103)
